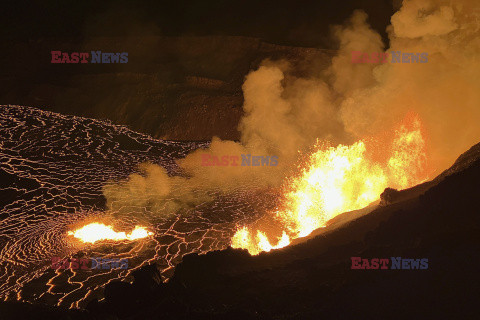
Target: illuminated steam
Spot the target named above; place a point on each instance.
(285, 114)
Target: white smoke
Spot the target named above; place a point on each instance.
(284, 114)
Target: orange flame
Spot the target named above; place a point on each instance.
(94, 232)
(340, 179)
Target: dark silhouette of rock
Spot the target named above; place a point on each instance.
(123, 299)
(147, 278)
(388, 196)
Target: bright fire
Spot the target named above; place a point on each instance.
(98, 231)
(341, 179)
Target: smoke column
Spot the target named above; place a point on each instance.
(286, 114)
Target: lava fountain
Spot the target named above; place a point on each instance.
(340, 179)
(94, 232)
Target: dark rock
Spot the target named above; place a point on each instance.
(388, 196)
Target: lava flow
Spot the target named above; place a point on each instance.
(341, 179)
(94, 232)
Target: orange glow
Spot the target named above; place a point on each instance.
(340, 179)
(407, 164)
(98, 231)
(243, 239)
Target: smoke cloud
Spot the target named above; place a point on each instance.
(442, 91)
(285, 114)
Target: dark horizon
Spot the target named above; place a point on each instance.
(305, 23)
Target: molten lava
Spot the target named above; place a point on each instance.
(340, 179)
(94, 232)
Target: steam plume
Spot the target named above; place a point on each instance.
(285, 114)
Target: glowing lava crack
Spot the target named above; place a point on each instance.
(94, 232)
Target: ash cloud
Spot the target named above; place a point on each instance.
(285, 114)
(443, 91)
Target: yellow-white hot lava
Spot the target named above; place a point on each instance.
(94, 232)
(340, 179)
